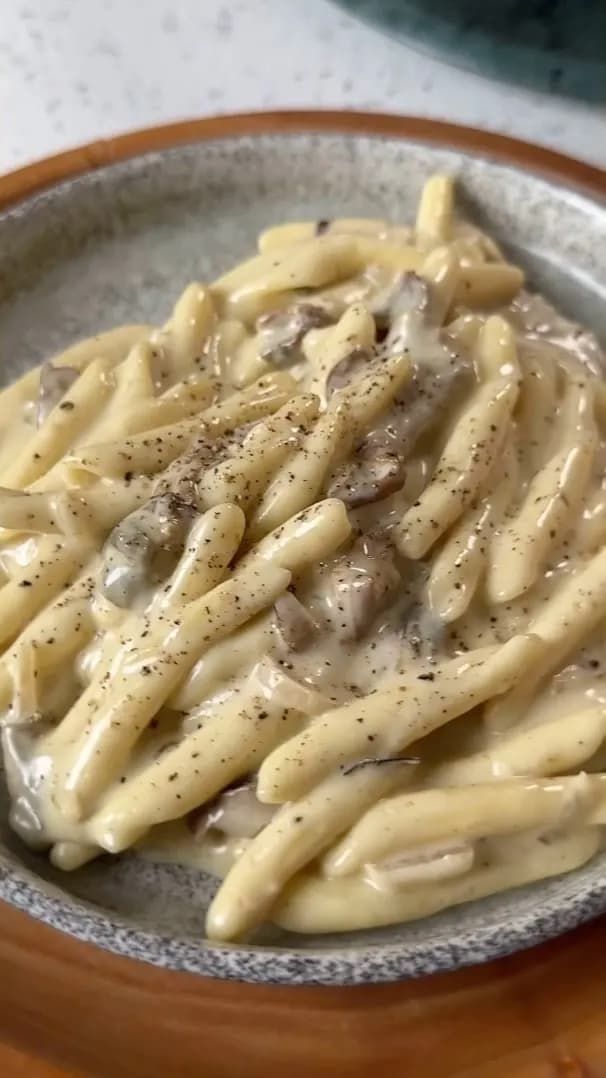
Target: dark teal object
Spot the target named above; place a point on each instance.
(553, 45)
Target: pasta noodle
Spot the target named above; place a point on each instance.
(321, 564)
(315, 904)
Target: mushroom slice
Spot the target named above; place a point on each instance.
(412, 332)
(421, 405)
(406, 292)
(183, 474)
(235, 813)
(534, 316)
(292, 624)
(281, 332)
(352, 366)
(270, 681)
(366, 478)
(426, 633)
(377, 468)
(358, 586)
(143, 548)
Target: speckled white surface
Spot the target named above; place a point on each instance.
(75, 70)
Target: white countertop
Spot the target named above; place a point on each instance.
(75, 70)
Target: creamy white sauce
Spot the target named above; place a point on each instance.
(368, 606)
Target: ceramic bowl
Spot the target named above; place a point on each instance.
(117, 244)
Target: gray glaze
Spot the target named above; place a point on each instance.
(118, 246)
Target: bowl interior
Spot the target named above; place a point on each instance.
(117, 246)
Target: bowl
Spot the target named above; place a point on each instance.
(128, 225)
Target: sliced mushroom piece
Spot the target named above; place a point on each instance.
(428, 396)
(363, 288)
(377, 468)
(281, 332)
(419, 407)
(54, 384)
(406, 292)
(235, 813)
(438, 375)
(421, 865)
(426, 633)
(269, 681)
(182, 476)
(353, 365)
(534, 316)
(366, 478)
(409, 332)
(143, 548)
(358, 587)
(293, 624)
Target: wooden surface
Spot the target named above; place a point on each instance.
(71, 1010)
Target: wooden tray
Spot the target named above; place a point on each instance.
(71, 1009)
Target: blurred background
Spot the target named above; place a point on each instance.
(75, 70)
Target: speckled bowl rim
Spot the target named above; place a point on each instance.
(377, 963)
(382, 961)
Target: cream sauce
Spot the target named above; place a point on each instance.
(370, 618)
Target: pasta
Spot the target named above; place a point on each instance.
(306, 586)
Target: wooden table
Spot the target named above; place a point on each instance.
(67, 1009)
